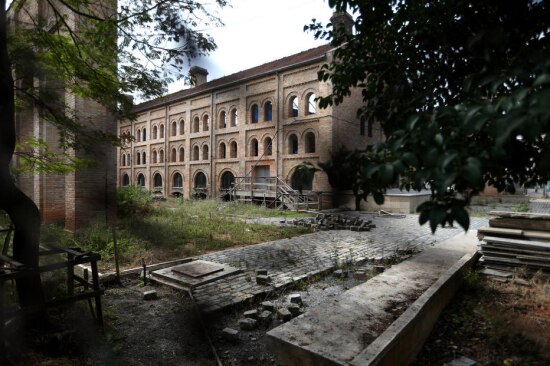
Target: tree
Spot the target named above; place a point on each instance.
(461, 90)
(94, 50)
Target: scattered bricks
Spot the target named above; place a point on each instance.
(263, 280)
(268, 305)
(339, 273)
(335, 222)
(265, 316)
(284, 314)
(248, 324)
(150, 295)
(294, 309)
(360, 275)
(379, 268)
(230, 334)
(251, 314)
(295, 299)
(261, 272)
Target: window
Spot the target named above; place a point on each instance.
(143, 158)
(311, 104)
(293, 107)
(195, 153)
(292, 144)
(144, 132)
(254, 113)
(233, 149)
(205, 152)
(123, 160)
(221, 151)
(154, 156)
(128, 161)
(205, 123)
(234, 121)
(125, 180)
(196, 123)
(138, 159)
(223, 120)
(174, 126)
(173, 155)
(161, 131)
(161, 156)
(227, 180)
(157, 180)
(200, 180)
(138, 135)
(177, 181)
(267, 146)
(268, 111)
(182, 154)
(155, 132)
(301, 182)
(182, 127)
(253, 147)
(141, 180)
(310, 142)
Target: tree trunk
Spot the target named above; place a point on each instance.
(20, 208)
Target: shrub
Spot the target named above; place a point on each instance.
(133, 199)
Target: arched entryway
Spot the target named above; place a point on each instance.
(200, 185)
(227, 181)
(141, 180)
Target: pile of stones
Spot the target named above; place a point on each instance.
(334, 222)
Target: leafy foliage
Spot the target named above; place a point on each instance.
(460, 88)
(132, 199)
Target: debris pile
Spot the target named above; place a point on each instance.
(334, 222)
(515, 239)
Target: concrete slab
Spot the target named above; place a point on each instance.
(188, 277)
(339, 331)
(198, 268)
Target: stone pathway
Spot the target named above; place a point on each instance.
(298, 258)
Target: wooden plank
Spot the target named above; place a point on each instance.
(511, 249)
(521, 215)
(533, 258)
(516, 262)
(498, 231)
(522, 224)
(538, 245)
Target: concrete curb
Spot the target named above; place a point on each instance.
(403, 339)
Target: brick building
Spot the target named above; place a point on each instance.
(242, 134)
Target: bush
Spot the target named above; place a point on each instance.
(132, 199)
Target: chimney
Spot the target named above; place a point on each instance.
(198, 75)
(342, 19)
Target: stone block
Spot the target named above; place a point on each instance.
(340, 273)
(268, 305)
(294, 309)
(295, 298)
(379, 268)
(263, 280)
(248, 324)
(261, 272)
(251, 314)
(265, 316)
(150, 295)
(284, 314)
(230, 334)
(360, 275)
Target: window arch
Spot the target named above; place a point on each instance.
(138, 135)
(144, 133)
(143, 158)
(233, 149)
(173, 128)
(227, 180)
(205, 152)
(182, 126)
(154, 157)
(200, 180)
(125, 180)
(253, 147)
(141, 180)
(221, 151)
(292, 144)
(223, 120)
(161, 156)
(293, 106)
(254, 113)
(301, 182)
(155, 133)
(173, 155)
(177, 181)
(234, 118)
(182, 154)
(268, 111)
(162, 131)
(128, 159)
(157, 180)
(195, 153)
(196, 123)
(123, 161)
(138, 159)
(311, 104)
(268, 149)
(205, 122)
(310, 142)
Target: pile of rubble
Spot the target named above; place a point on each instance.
(334, 222)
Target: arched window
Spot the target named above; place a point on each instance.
(144, 132)
(138, 135)
(161, 156)
(177, 181)
(292, 144)
(128, 159)
(173, 131)
(138, 159)
(196, 123)
(195, 152)
(200, 180)
(173, 155)
(293, 107)
(155, 131)
(310, 142)
(143, 158)
(123, 162)
(154, 156)
(267, 146)
(205, 152)
(205, 122)
(141, 180)
(223, 120)
(227, 180)
(182, 154)
(161, 131)
(221, 151)
(311, 104)
(254, 113)
(234, 120)
(268, 111)
(157, 180)
(233, 149)
(182, 127)
(253, 147)
(301, 182)
(125, 180)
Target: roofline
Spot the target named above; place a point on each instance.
(211, 89)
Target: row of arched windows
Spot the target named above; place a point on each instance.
(200, 180)
(293, 143)
(310, 107)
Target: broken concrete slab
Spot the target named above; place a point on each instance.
(268, 305)
(186, 276)
(265, 316)
(248, 324)
(251, 314)
(150, 295)
(230, 334)
(284, 314)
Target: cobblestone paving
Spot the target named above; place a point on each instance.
(294, 259)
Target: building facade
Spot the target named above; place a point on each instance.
(255, 126)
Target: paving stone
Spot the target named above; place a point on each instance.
(263, 280)
(295, 298)
(360, 275)
(379, 268)
(230, 334)
(248, 324)
(251, 314)
(150, 295)
(284, 314)
(261, 272)
(265, 316)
